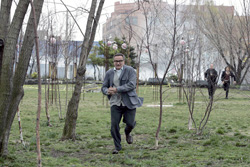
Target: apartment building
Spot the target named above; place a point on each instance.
(127, 21)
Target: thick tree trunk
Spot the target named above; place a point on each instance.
(4, 17)
(7, 74)
(11, 88)
(72, 112)
(4, 26)
(238, 77)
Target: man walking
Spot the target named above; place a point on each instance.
(119, 85)
(211, 77)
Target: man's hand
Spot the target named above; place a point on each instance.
(234, 82)
(112, 90)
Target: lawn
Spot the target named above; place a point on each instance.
(225, 141)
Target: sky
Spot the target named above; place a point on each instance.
(109, 8)
(59, 19)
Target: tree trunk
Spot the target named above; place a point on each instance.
(94, 72)
(66, 68)
(31, 68)
(11, 88)
(72, 111)
(5, 17)
(160, 118)
(4, 26)
(20, 126)
(99, 74)
(39, 159)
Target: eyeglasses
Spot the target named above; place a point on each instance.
(118, 61)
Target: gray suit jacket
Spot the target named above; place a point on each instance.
(126, 88)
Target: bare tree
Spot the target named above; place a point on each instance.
(72, 112)
(229, 34)
(11, 85)
(192, 64)
(66, 47)
(161, 38)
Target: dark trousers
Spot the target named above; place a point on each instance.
(226, 87)
(128, 117)
(211, 88)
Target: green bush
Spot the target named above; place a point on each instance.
(34, 75)
(173, 77)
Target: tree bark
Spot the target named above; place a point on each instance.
(160, 118)
(94, 72)
(20, 126)
(11, 88)
(31, 68)
(5, 17)
(4, 26)
(7, 73)
(66, 68)
(72, 111)
(99, 74)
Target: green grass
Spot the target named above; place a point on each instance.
(225, 141)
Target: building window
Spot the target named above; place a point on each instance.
(131, 20)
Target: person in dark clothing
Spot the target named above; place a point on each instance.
(225, 78)
(211, 77)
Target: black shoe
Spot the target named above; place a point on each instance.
(115, 152)
(129, 139)
(226, 97)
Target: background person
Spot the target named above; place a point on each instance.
(225, 78)
(119, 85)
(211, 77)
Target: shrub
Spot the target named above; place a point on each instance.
(34, 75)
(173, 77)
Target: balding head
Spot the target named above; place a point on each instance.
(211, 66)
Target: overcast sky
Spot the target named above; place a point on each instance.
(56, 5)
(109, 7)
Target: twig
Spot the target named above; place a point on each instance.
(73, 18)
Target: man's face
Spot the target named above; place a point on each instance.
(118, 62)
(211, 66)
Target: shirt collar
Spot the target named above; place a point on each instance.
(118, 70)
